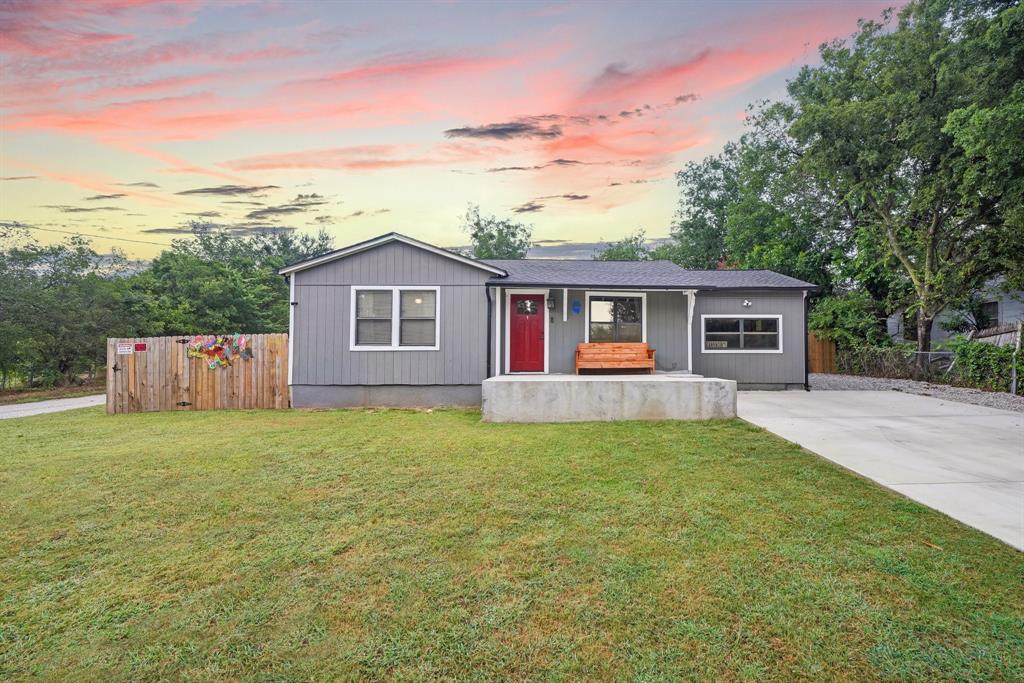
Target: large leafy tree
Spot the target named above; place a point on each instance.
(497, 238)
(781, 219)
(58, 303)
(872, 121)
(220, 282)
(707, 189)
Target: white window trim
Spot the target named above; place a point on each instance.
(621, 293)
(703, 334)
(547, 328)
(396, 309)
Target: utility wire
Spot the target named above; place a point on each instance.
(102, 237)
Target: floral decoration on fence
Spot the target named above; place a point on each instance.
(219, 351)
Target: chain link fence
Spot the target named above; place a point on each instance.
(895, 363)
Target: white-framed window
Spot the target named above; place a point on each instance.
(615, 317)
(741, 333)
(387, 318)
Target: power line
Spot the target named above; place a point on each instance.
(102, 237)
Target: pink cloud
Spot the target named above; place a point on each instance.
(368, 157)
(93, 182)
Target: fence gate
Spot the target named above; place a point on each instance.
(821, 354)
(147, 374)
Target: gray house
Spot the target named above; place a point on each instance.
(395, 321)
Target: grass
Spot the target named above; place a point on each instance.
(408, 545)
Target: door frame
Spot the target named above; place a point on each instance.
(547, 328)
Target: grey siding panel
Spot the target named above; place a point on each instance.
(753, 368)
(322, 321)
(666, 330)
(394, 263)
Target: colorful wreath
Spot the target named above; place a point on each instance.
(220, 351)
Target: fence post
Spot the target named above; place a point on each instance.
(1013, 362)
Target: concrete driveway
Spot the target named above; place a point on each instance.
(964, 460)
(52, 406)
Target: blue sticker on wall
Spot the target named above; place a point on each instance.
(576, 306)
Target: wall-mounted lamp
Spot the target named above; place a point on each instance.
(551, 304)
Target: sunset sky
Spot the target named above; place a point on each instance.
(128, 118)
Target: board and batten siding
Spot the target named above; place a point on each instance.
(666, 329)
(323, 318)
(753, 368)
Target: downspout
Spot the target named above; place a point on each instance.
(292, 303)
(490, 336)
(807, 380)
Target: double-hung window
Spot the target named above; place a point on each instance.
(742, 334)
(394, 319)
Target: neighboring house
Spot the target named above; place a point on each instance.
(396, 321)
(999, 308)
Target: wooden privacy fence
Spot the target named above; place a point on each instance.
(821, 354)
(147, 374)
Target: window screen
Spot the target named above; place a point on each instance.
(373, 317)
(418, 318)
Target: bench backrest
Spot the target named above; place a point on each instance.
(623, 350)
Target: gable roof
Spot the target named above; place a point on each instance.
(382, 240)
(635, 275)
(580, 273)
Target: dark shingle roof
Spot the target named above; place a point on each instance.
(634, 275)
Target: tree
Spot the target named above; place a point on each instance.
(781, 219)
(752, 207)
(220, 282)
(871, 119)
(990, 130)
(630, 248)
(707, 188)
(849, 319)
(496, 238)
(58, 303)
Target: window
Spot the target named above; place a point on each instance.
(373, 317)
(615, 319)
(418, 325)
(742, 334)
(526, 307)
(394, 319)
(989, 315)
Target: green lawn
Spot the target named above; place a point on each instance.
(368, 544)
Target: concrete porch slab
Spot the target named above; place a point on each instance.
(579, 398)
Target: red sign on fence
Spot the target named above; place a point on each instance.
(141, 346)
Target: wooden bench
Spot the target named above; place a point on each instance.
(614, 356)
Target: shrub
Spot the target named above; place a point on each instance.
(966, 364)
(849, 320)
(985, 366)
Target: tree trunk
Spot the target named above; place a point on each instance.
(924, 343)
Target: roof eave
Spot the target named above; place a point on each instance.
(576, 285)
(386, 239)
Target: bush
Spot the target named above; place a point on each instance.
(967, 364)
(895, 362)
(849, 320)
(985, 366)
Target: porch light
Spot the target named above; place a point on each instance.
(551, 304)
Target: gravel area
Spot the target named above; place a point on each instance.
(991, 399)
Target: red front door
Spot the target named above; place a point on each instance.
(526, 333)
